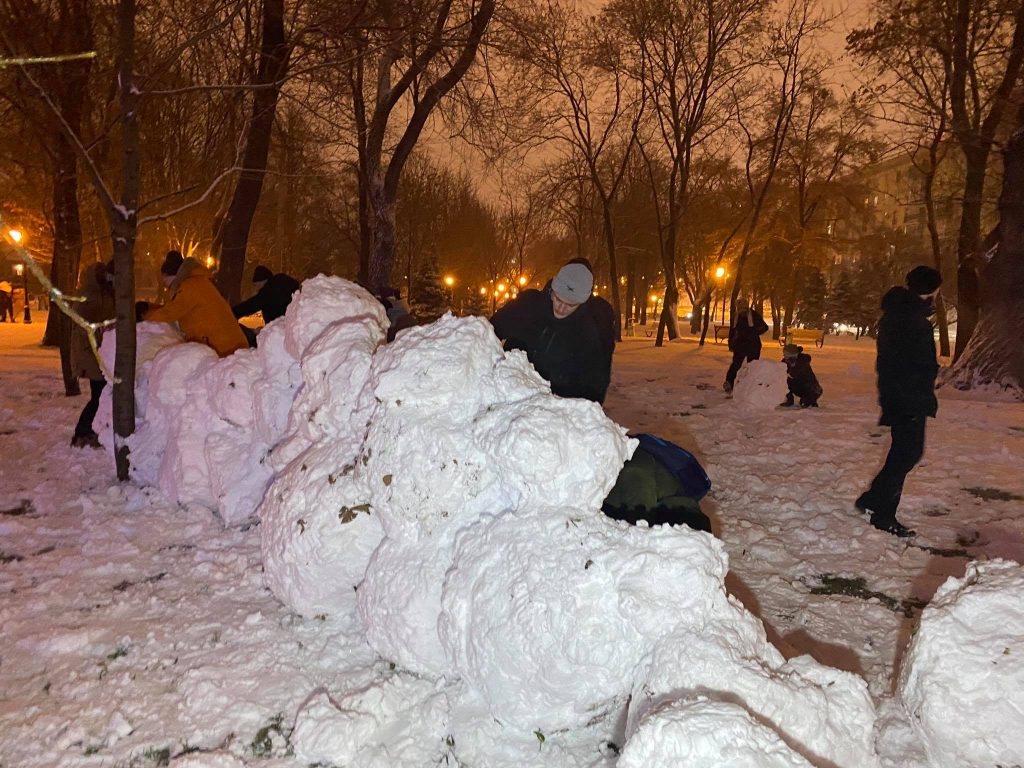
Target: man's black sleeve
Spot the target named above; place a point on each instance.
(250, 306)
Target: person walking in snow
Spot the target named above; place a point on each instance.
(6, 301)
(744, 340)
(98, 291)
(803, 384)
(567, 332)
(197, 306)
(907, 367)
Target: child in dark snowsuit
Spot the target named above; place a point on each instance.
(800, 378)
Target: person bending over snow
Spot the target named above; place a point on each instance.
(197, 306)
(800, 377)
(567, 332)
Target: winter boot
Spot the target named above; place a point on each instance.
(727, 386)
(88, 440)
(893, 526)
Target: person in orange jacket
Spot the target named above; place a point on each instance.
(197, 306)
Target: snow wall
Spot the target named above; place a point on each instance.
(962, 683)
(437, 489)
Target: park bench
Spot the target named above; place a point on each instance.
(801, 336)
(721, 333)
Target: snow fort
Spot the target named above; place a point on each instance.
(435, 491)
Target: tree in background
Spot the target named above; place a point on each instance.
(994, 357)
(975, 48)
(430, 299)
(688, 57)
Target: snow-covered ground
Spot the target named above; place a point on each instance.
(139, 632)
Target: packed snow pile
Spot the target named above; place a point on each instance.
(436, 488)
(963, 678)
(761, 384)
(206, 427)
(705, 732)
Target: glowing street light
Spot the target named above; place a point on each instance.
(720, 273)
(523, 280)
(209, 262)
(22, 270)
(449, 280)
(654, 298)
(501, 287)
(483, 291)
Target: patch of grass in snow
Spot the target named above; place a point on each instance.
(832, 584)
(117, 653)
(24, 508)
(123, 586)
(158, 757)
(992, 494)
(263, 742)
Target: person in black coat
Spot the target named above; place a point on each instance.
(906, 367)
(567, 333)
(273, 295)
(744, 340)
(803, 384)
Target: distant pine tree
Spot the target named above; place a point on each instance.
(814, 301)
(429, 298)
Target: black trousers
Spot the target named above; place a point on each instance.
(738, 358)
(6, 307)
(84, 426)
(883, 497)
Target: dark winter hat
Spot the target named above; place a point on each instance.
(923, 280)
(573, 283)
(791, 350)
(261, 274)
(172, 263)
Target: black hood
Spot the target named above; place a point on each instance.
(902, 301)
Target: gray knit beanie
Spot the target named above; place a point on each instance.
(573, 283)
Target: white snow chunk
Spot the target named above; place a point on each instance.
(548, 615)
(709, 733)
(318, 532)
(399, 722)
(963, 681)
(324, 301)
(761, 384)
(825, 714)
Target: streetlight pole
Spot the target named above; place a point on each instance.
(15, 235)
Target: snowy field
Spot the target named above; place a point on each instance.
(137, 632)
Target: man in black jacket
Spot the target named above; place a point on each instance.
(907, 367)
(273, 295)
(567, 333)
(744, 340)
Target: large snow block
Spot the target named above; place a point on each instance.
(824, 714)
(703, 732)
(963, 678)
(548, 615)
(324, 301)
(400, 603)
(761, 385)
(318, 532)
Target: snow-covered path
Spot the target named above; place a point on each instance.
(135, 631)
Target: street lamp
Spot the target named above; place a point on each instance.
(22, 270)
(522, 280)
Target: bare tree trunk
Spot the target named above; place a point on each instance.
(933, 237)
(613, 272)
(994, 355)
(274, 58)
(124, 227)
(968, 240)
(67, 252)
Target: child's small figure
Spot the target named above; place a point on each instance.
(803, 384)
